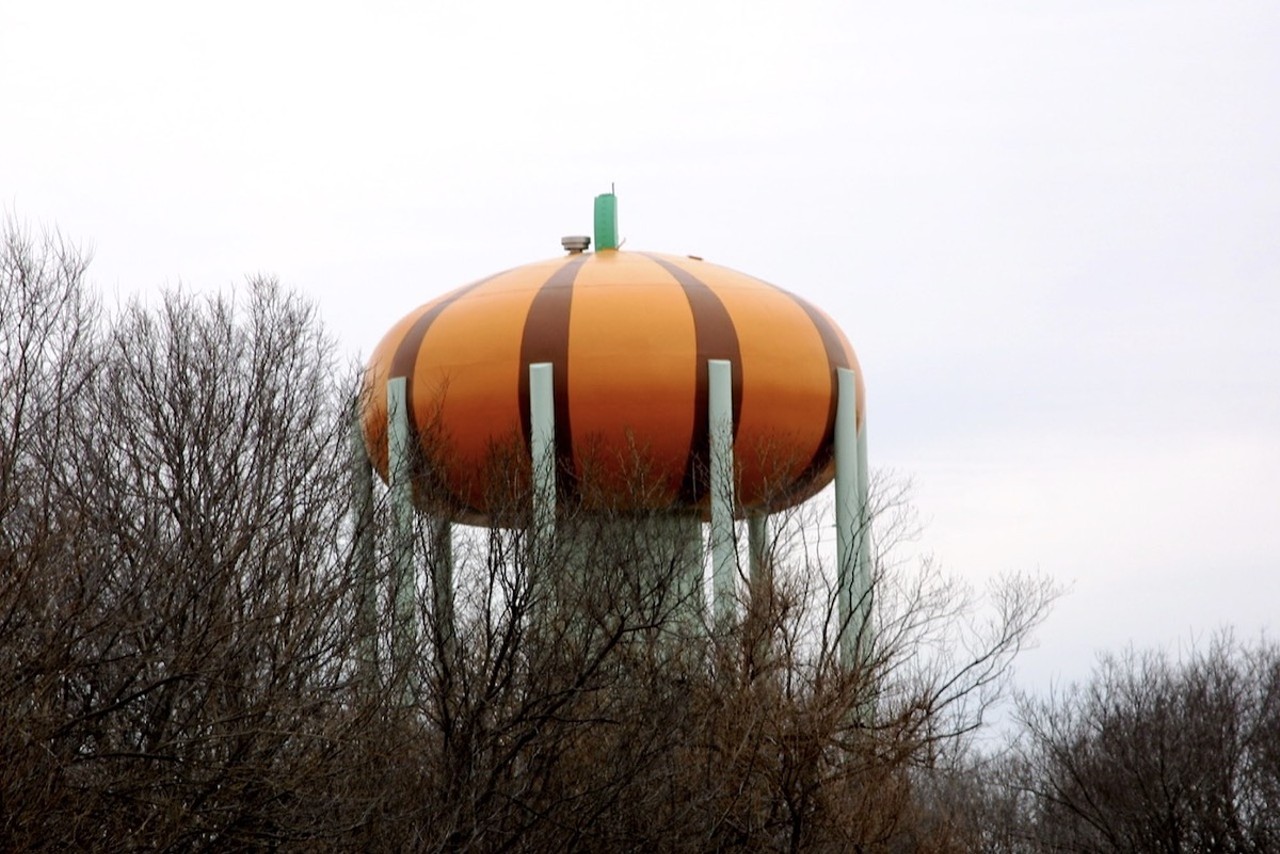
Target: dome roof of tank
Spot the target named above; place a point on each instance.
(629, 335)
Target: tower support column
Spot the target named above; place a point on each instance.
(724, 558)
(853, 528)
(542, 441)
(404, 627)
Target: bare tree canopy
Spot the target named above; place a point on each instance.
(193, 654)
(1153, 753)
(1159, 754)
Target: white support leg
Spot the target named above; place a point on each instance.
(862, 578)
(848, 515)
(542, 440)
(398, 478)
(724, 561)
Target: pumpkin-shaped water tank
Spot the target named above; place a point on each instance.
(628, 335)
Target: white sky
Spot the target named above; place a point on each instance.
(1051, 229)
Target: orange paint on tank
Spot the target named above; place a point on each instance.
(632, 376)
(464, 375)
(786, 386)
(629, 335)
(373, 403)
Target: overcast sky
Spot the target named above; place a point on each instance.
(1051, 229)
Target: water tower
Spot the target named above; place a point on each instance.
(569, 380)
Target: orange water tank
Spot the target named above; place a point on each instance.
(629, 335)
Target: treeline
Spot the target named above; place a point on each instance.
(200, 646)
(1152, 753)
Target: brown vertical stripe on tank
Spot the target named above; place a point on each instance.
(405, 359)
(406, 356)
(546, 339)
(716, 338)
(404, 362)
(836, 358)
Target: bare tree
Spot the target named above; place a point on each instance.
(174, 624)
(48, 346)
(582, 710)
(1157, 754)
(199, 644)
